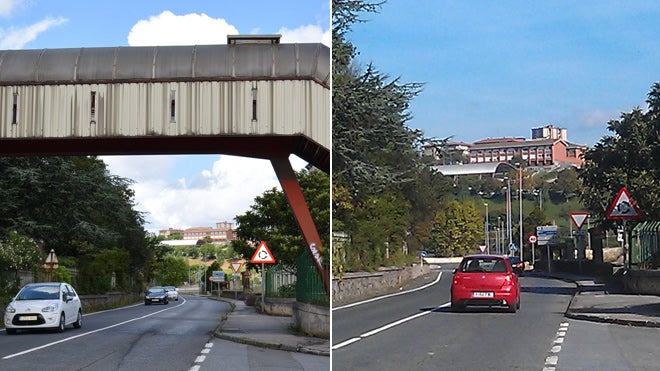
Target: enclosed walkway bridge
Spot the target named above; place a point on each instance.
(253, 97)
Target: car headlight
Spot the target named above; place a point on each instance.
(51, 308)
(10, 309)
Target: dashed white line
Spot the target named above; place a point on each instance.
(552, 360)
(201, 358)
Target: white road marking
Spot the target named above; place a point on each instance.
(552, 360)
(87, 333)
(386, 327)
(389, 296)
(200, 359)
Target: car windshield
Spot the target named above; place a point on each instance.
(156, 291)
(170, 288)
(489, 265)
(39, 293)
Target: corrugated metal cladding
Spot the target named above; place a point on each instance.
(166, 63)
(262, 107)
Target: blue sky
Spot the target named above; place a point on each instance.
(500, 68)
(175, 191)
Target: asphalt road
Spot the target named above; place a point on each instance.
(417, 331)
(177, 336)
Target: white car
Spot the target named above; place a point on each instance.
(172, 292)
(52, 305)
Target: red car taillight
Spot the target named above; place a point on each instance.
(508, 280)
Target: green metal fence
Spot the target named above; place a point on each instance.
(279, 278)
(309, 285)
(645, 243)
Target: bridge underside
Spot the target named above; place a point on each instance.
(264, 147)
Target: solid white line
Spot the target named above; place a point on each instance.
(345, 343)
(386, 327)
(390, 295)
(87, 333)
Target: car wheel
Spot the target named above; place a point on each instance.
(146, 302)
(11, 331)
(455, 307)
(513, 308)
(60, 327)
(166, 302)
(78, 323)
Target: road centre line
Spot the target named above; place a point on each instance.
(87, 333)
(387, 327)
(389, 296)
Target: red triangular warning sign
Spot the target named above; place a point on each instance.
(579, 218)
(262, 255)
(236, 266)
(623, 206)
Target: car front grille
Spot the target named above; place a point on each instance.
(17, 321)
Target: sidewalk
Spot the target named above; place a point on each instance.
(245, 325)
(597, 301)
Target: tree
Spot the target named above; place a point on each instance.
(377, 160)
(458, 229)
(271, 219)
(172, 271)
(631, 158)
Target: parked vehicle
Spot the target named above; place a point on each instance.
(155, 295)
(172, 293)
(51, 305)
(517, 265)
(487, 281)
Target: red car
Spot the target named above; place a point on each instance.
(485, 280)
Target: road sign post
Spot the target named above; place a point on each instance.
(624, 208)
(262, 255)
(532, 240)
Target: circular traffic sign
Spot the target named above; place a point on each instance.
(531, 238)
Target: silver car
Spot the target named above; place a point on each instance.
(172, 292)
(52, 305)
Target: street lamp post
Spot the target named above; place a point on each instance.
(520, 212)
(486, 229)
(508, 211)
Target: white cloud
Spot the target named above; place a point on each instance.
(168, 28)
(190, 29)
(306, 34)
(226, 189)
(7, 6)
(16, 38)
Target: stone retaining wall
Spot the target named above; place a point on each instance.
(313, 320)
(355, 286)
(643, 282)
(278, 306)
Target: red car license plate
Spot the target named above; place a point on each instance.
(482, 294)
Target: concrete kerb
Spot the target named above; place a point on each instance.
(300, 348)
(601, 317)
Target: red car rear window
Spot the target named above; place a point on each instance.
(488, 265)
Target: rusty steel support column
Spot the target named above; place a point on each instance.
(291, 187)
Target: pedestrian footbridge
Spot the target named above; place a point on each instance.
(253, 97)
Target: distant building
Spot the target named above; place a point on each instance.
(448, 153)
(222, 233)
(548, 147)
